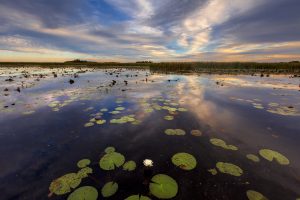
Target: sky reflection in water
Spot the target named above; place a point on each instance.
(40, 142)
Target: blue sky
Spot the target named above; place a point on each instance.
(158, 30)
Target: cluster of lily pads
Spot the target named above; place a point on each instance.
(272, 107)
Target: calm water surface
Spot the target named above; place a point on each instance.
(50, 124)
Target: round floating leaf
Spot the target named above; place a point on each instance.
(221, 143)
(213, 171)
(84, 193)
(169, 117)
(109, 189)
(111, 160)
(174, 132)
(163, 186)
(129, 166)
(253, 195)
(229, 168)
(100, 122)
(182, 109)
(110, 149)
(253, 157)
(120, 108)
(63, 185)
(271, 155)
(196, 133)
(83, 163)
(184, 160)
(84, 172)
(89, 124)
(137, 197)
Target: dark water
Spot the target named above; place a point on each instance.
(43, 133)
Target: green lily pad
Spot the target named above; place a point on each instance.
(84, 193)
(168, 117)
(89, 124)
(120, 108)
(104, 110)
(271, 155)
(196, 133)
(83, 163)
(253, 157)
(220, 143)
(63, 184)
(129, 166)
(253, 195)
(229, 168)
(184, 160)
(110, 149)
(137, 197)
(213, 171)
(182, 109)
(163, 186)
(111, 160)
(100, 122)
(109, 189)
(84, 172)
(174, 132)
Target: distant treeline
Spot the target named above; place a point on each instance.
(179, 67)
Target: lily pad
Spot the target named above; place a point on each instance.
(110, 149)
(100, 122)
(63, 185)
(213, 171)
(169, 117)
(229, 168)
(137, 197)
(111, 161)
(271, 155)
(89, 124)
(174, 132)
(253, 157)
(84, 193)
(196, 133)
(184, 160)
(253, 195)
(109, 189)
(120, 108)
(221, 143)
(83, 163)
(163, 186)
(129, 166)
(84, 172)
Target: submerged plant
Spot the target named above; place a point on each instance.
(229, 168)
(163, 186)
(184, 160)
(271, 155)
(84, 193)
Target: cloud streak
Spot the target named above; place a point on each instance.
(180, 30)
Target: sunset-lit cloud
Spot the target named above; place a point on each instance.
(167, 30)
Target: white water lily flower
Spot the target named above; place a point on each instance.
(148, 163)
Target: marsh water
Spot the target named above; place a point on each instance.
(48, 124)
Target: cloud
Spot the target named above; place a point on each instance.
(186, 30)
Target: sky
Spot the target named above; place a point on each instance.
(156, 30)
